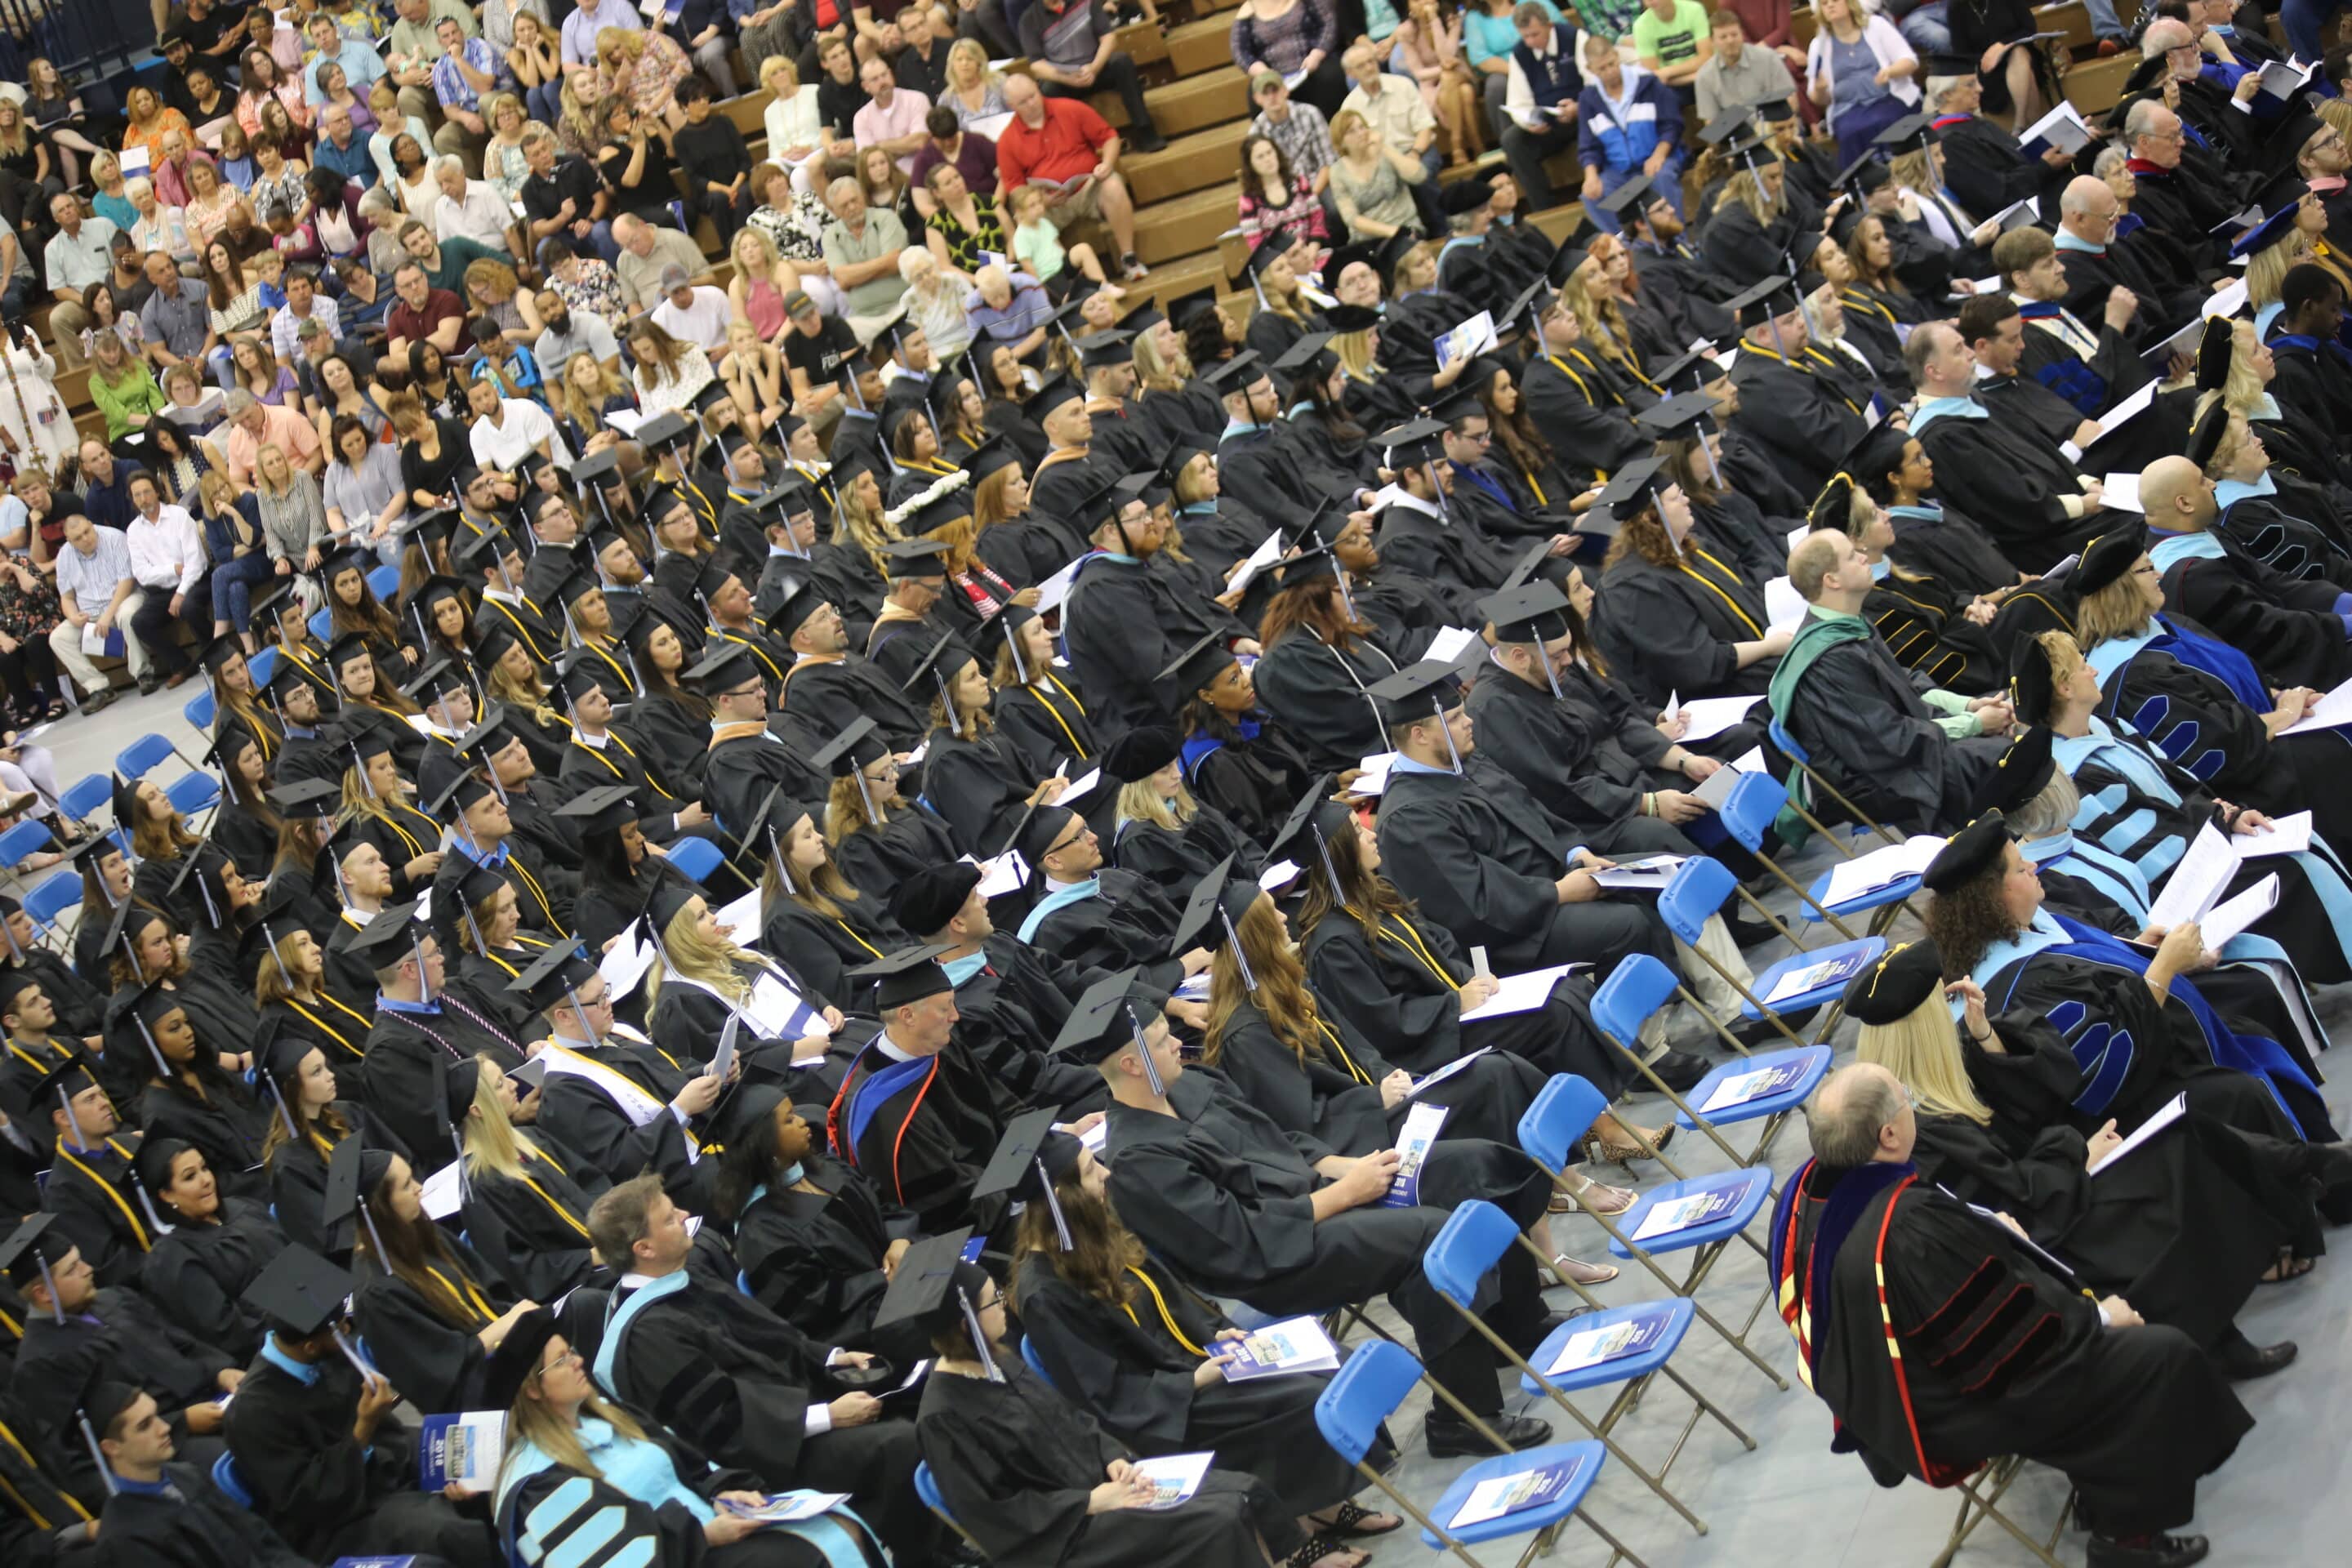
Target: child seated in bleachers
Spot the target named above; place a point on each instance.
(1038, 249)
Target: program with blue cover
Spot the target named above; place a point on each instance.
(1514, 1493)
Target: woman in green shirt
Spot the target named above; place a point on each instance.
(122, 388)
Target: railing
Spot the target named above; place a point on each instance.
(89, 41)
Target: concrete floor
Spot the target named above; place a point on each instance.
(2281, 1501)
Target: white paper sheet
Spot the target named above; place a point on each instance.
(2129, 409)
(1450, 644)
(1374, 777)
(2120, 491)
(1173, 1478)
(2289, 834)
(2062, 128)
(2331, 712)
(1057, 588)
(1711, 716)
(1652, 872)
(1881, 868)
(780, 1014)
(627, 962)
(2196, 884)
(1784, 607)
(1519, 992)
(1450, 1068)
(743, 916)
(2231, 917)
(1005, 874)
(2226, 301)
(1257, 560)
(1276, 877)
(2166, 1115)
(1080, 786)
(443, 1194)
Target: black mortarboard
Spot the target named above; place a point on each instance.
(1235, 374)
(215, 655)
(516, 1359)
(1632, 486)
(1199, 664)
(1110, 1016)
(933, 1290)
(442, 675)
(600, 810)
(280, 1054)
(1531, 613)
(1689, 372)
(267, 605)
(1413, 443)
(491, 649)
(991, 455)
(907, 975)
(1056, 391)
(2215, 351)
(2106, 558)
(299, 1292)
(1834, 507)
(852, 749)
(1968, 853)
(801, 598)
(384, 941)
(306, 797)
(1678, 418)
(555, 974)
(1298, 360)
(1726, 125)
(1212, 915)
(123, 795)
(69, 1080)
(1306, 835)
(1772, 298)
(664, 902)
(1017, 1151)
(935, 669)
(723, 665)
(1464, 196)
(928, 899)
(1913, 133)
(29, 1247)
(1416, 691)
(2206, 435)
(477, 552)
(1140, 753)
(464, 791)
(2024, 771)
(1890, 990)
(711, 580)
(1103, 349)
(907, 559)
(1627, 199)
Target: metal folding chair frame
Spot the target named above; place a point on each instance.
(1976, 1507)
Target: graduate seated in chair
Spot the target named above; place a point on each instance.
(2185, 1224)
(1903, 749)
(1942, 1340)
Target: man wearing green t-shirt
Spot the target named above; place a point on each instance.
(1671, 37)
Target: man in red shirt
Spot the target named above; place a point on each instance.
(1063, 141)
(425, 314)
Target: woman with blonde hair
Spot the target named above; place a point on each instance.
(704, 978)
(527, 1200)
(862, 529)
(669, 374)
(1159, 829)
(113, 202)
(754, 375)
(1751, 227)
(511, 676)
(2266, 270)
(1372, 182)
(795, 125)
(293, 516)
(643, 68)
(1317, 1078)
(122, 388)
(499, 296)
(210, 201)
(974, 90)
(375, 808)
(536, 63)
(762, 279)
(504, 164)
(935, 289)
(1035, 709)
(2182, 1229)
(1592, 294)
(812, 917)
(585, 390)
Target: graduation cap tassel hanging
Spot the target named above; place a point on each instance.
(1054, 1205)
(784, 865)
(1446, 729)
(1330, 868)
(279, 1095)
(58, 1316)
(147, 1206)
(155, 1051)
(105, 1473)
(1150, 1072)
(73, 1122)
(946, 697)
(979, 1335)
(1234, 939)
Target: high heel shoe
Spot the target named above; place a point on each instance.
(1601, 1151)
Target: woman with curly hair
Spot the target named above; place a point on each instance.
(1319, 1079)
(1674, 617)
(1277, 207)
(188, 1097)
(1592, 294)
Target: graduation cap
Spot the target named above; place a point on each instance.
(2032, 688)
(2024, 771)
(276, 602)
(723, 665)
(216, 654)
(124, 798)
(1235, 374)
(463, 792)
(1028, 1160)
(1766, 303)
(1463, 197)
(905, 976)
(1968, 853)
(1199, 666)
(353, 1172)
(69, 1080)
(933, 1289)
(307, 797)
(920, 559)
(1141, 318)
(1212, 917)
(1414, 443)
(1635, 486)
(986, 458)
(130, 919)
(1110, 1015)
(928, 899)
(1056, 390)
(516, 1361)
(1895, 986)
(1103, 350)
(1312, 823)
(1834, 507)
(146, 1009)
(1532, 613)
(1141, 753)
(555, 975)
(2206, 435)
(1039, 829)
(1685, 417)
(203, 864)
(802, 597)
(938, 667)
(287, 681)
(482, 551)
(1428, 687)
(712, 580)
(1878, 454)
(393, 934)
(29, 1253)
(1298, 361)
(2276, 227)
(1913, 133)
(1731, 124)
(1633, 198)
(2216, 350)
(1346, 319)
(2107, 558)
(300, 1293)
(663, 428)
(437, 679)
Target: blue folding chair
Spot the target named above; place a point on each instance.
(261, 667)
(193, 793)
(1367, 1391)
(1476, 1235)
(1746, 814)
(1801, 762)
(383, 582)
(694, 858)
(199, 712)
(926, 1486)
(322, 624)
(1549, 1132)
(1034, 1362)
(1697, 889)
(136, 760)
(86, 796)
(230, 1482)
(27, 839)
(53, 898)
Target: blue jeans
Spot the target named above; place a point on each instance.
(545, 102)
(1668, 184)
(2302, 20)
(1927, 32)
(599, 244)
(234, 585)
(2105, 23)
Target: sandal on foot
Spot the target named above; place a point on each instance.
(2287, 1266)
(1602, 1151)
(1352, 1518)
(1574, 1271)
(1599, 1198)
(1319, 1547)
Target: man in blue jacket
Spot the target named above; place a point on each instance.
(1629, 124)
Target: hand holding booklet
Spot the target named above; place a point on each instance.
(1415, 1140)
(1174, 1478)
(1519, 992)
(1279, 1350)
(463, 1449)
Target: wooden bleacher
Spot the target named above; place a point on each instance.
(1186, 196)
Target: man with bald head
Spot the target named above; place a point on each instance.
(1903, 749)
(2098, 260)
(1939, 1337)
(2180, 192)
(2297, 633)
(2206, 85)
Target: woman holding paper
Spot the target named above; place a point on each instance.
(526, 1205)
(1130, 1344)
(703, 979)
(580, 1470)
(2181, 1226)
(1323, 1082)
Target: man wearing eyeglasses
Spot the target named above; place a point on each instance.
(746, 760)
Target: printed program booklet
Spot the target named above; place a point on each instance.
(1512, 1493)
(1280, 1350)
(464, 1448)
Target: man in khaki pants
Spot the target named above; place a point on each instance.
(95, 587)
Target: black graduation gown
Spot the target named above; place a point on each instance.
(339, 1028)
(1734, 531)
(202, 1271)
(2132, 1417)
(1129, 1366)
(1406, 612)
(815, 1258)
(405, 835)
(98, 1206)
(1589, 755)
(1122, 624)
(2290, 629)
(1450, 550)
(297, 1175)
(979, 786)
(875, 860)
(2012, 485)
(744, 763)
(532, 1231)
(1941, 542)
(822, 949)
(136, 1341)
(1047, 724)
(1401, 991)
(225, 1123)
(189, 1524)
(1923, 620)
(1578, 417)
(923, 1147)
(398, 1071)
(1016, 1002)
(2296, 530)
(1254, 776)
(659, 726)
(47, 1493)
(1857, 711)
(1016, 1462)
(736, 1380)
(1035, 546)
(1174, 859)
(577, 1112)
(324, 1493)
(438, 1366)
(1738, 248)
(1321, 696)
(1986, 169)
(1483, 859)
(1130, 922)
(1671, 629)
(1804, 421)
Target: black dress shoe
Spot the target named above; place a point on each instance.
(1451, 1437)
(1542, 1330)
(2242, 1361)
(1152, 143)
(1681, 1070)
(98, 701)
(1753, 1032)
(1750, 933)
(2147, 1551)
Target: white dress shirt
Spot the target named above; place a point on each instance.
(168, 552)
